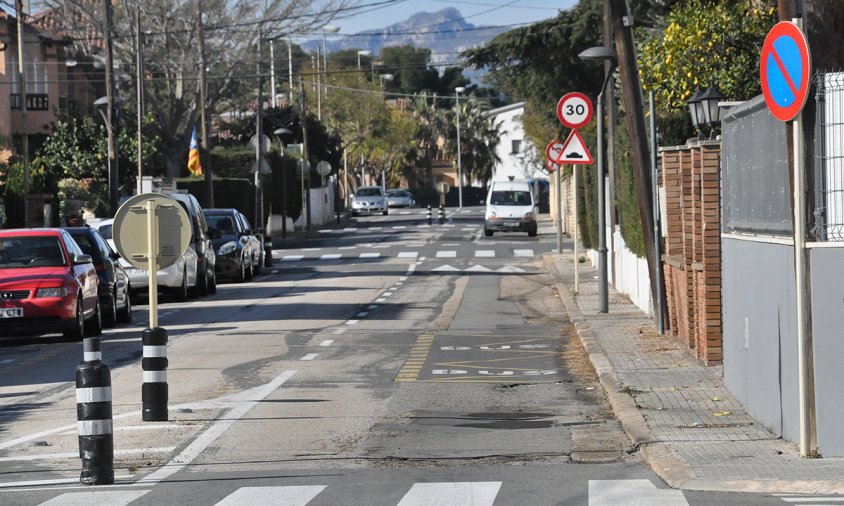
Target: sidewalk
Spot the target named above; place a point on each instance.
(689, 428)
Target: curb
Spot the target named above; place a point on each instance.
(669, 468)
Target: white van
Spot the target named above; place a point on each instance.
(510, 206)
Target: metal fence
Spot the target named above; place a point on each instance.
(829, 157)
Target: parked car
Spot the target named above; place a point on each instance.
(240, 254)
(510, 206)
(206, 277)
(177, 279)
(47, 284)
(369, 199)
(400, 198)
(114, 282)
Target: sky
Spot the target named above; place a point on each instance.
(476, 12)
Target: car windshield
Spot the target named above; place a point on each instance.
(220, 222)
(31, 251)
(510, 198)
(105, 231)
(368, 192)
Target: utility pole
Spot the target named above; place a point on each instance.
(139, 85)
(318, 86)
(113, 172)
(272, 73)
(204, 149)
(634, 105)
(290, 67)
(306, 168)
(609, 94)
(25, 135)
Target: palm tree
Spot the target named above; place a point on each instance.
(479, 137)
(430, 124)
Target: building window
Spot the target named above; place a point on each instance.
(516, 146)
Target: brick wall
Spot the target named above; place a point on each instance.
(692, 257)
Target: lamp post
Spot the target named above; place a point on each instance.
(278, 133)
(457, 92)
(326, 30)
(382, 77)
(112, 150)
(605, 54)
(706, 108)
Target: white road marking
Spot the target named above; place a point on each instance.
(613, 492)
(478, 268)
(410, 269)
(403, 278)
(450, 244)
(381, 300)
(362, 314)
(291, 495)
(446, 268)
(339, 331)
(327, 343)
(372, 306)
(331, 256)
(510, 268)
(370, 255)
(111, 497)
(387, 294)
(310, 356)
(351, 322)
(311, 249)
(248, 400)
(408, 254)
(7, 361)
(523, 252)
(75, 455)
(274, 271)
(485, 253)
(399, 227)
(446, 254)
(347, 247)
(473, 493)
(292, 258)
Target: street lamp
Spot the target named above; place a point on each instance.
(363, 52)
(457, 92)
(382, 77)
(278, 133)
(704, 110)
(326, 30)
(605, 54)
(112, 151)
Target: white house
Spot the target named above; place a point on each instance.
(513, 150)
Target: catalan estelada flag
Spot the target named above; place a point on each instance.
(194, 167)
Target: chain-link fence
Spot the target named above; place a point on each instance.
(829, 157)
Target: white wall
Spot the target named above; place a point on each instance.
(512, 129)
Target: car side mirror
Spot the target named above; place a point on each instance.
(82, 259)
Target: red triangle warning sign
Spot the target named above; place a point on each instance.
(574, 151)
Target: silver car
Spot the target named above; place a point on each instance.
(369, 199)
(178, 279)
(400, 198)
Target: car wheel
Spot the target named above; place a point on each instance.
(487, 233)
(76, 330)
(94, 326)
(212, 284)
(181, 292)
(386, 212)
(532, 233)
(125, 314)
(110, 311)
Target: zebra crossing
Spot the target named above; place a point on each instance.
(463, 493)
(316, 254)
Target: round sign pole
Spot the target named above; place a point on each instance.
(152, 262)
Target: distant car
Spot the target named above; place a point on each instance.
(47, 284)
(206, 276)
(115, 303)
(369, 199)
(510, 207)
(177, 279)
(400, 198)
(240, 253)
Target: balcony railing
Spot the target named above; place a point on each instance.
(34, 101)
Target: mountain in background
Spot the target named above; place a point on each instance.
(445, 33)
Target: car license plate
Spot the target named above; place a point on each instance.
(512, 223)
(11, 312)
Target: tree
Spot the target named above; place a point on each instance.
(430, 120)
(232, 29)
(705, 43)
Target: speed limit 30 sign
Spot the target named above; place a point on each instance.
(574, 110)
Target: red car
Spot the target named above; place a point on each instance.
(46, 285)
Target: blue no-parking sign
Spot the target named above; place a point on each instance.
(785, 70)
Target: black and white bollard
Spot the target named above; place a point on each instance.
(442, 214)
(268, 252)
(93, 415)
(154, 393)
(430, 219)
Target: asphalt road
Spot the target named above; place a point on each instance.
(385, 362)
